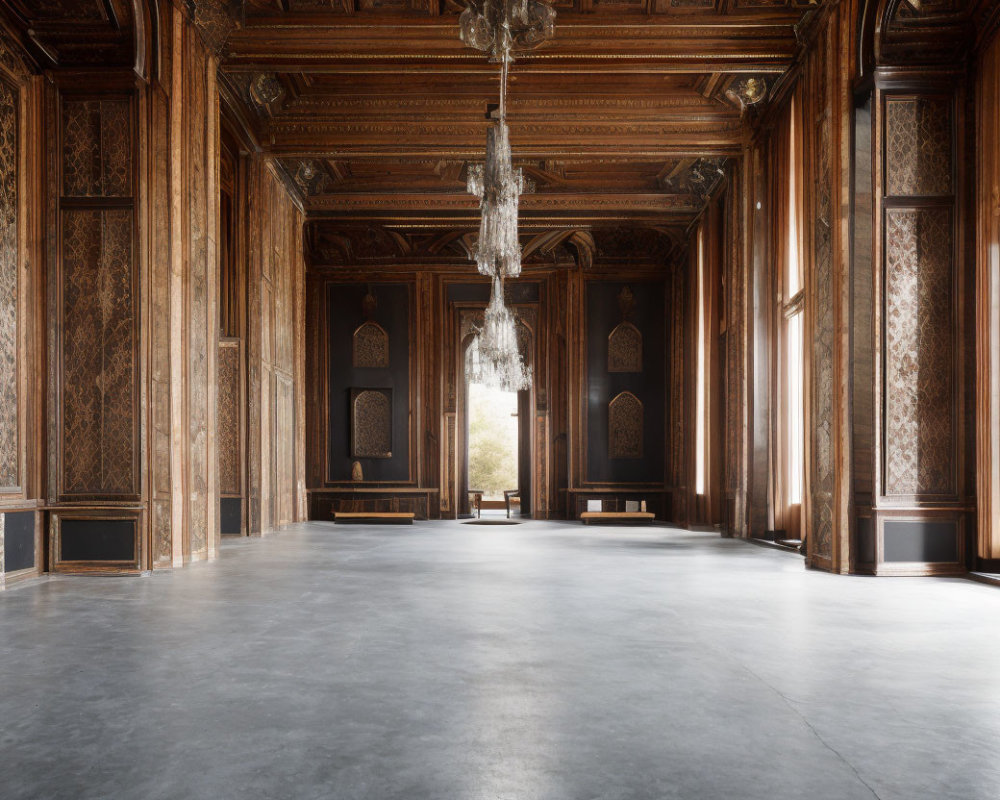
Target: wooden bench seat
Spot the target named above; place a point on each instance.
(618, 517)
(384, 517)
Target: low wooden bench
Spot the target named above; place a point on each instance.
(618, 517)
(383, 517)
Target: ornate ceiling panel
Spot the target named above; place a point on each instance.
(375, 109)
(76, 32)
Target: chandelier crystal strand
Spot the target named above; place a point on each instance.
(494, 355)
(497, 27)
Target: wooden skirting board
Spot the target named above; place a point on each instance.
(378, 517)
(618, 517)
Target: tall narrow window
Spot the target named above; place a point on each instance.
(791, 350)
(700, 437)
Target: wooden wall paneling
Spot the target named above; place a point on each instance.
(736, 315)
(541, 496)
(428, 297)
(13, 289)
(211, 352)
(180, 534)
(36, 365)
(558, 395)
(315, 384)
(920, 483)
(987, 330)
(95, 349)
(275, 354)
(229, 433)
(715, 438)
(679, 316)
(298, 332)
(196, 101)
(97, 304)
(156, 268)
(576, 397)
(21, 317)
(759, 213)
(816, 138)
(257, 212)
(267, 379)
(691, 511)
(198, 338)
(451, 504)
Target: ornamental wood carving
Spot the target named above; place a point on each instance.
(625, 426)
(227, 435)
(9, 312)
(821, 106)
(625, 348)
(371, 346)
(98, 346)
(97, 148)
(371, 423)
(918, 146)
(920, 353)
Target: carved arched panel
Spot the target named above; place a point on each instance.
(371, 346)
(371, 423)
(625, 424)
(625, 348)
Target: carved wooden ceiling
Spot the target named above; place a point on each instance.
(374, 109)
(77, 32)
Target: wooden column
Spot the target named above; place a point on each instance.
(920, 511)
(987, 332)
(21, 318)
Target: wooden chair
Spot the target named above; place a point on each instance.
(511, 497)
(476, 502)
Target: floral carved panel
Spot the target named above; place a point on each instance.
(98, 332)
(371, 346)
(228, 418)
(9, 459)
(625, 348)
(371, 423)
(97, 148)
(918, 146)
(625, 426)
(919, 353)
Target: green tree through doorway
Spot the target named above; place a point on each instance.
(492, 440)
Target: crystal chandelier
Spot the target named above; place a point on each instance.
(497, 27)
(494, 358)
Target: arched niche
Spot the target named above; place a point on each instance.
(625, 426)
(625, 348)
(371, 423)
(371, 346)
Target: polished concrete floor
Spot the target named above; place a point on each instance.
(460, 662)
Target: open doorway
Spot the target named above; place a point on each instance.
(505, 437)
(493, 448)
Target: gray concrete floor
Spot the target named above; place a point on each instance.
(462, 662)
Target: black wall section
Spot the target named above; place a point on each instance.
(344, 315)
(230, 515)
(97, 540)
(19, 540)
(603, 314)
(919, 541)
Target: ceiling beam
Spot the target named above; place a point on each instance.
(700, 44)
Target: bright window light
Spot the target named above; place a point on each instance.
(700, 472)
(796, 412)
